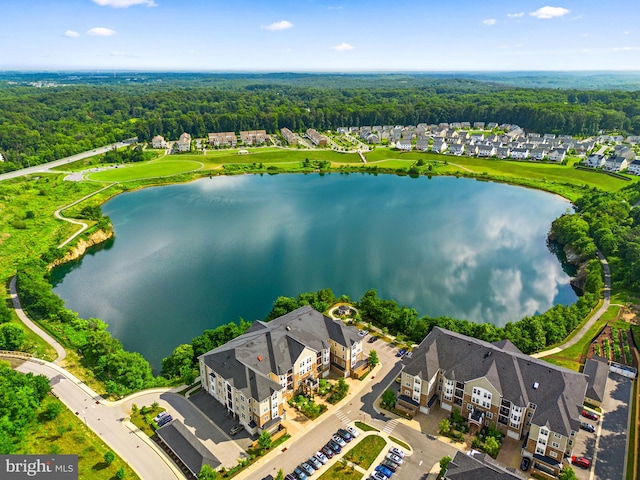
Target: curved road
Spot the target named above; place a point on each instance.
(585, 328)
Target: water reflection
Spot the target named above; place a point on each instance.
(190, 257)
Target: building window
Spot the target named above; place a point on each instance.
(555, 445)
(489, 415)
(544, 432)
(557, 435)
(469, 407)
(553, 454)
(540, 451)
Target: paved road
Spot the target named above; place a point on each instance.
(585, 328)
(56, 163)
(107, 420)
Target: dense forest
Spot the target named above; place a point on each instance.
(43, 123)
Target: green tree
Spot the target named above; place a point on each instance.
(179, 362)
(567, 473)
(444, 464)
(373, 359)
(120, 473)
(444, 427)
(264, 440)
(5, 313)
(52, 410)
(492, 446)
(280, 475)
(12, 336)
(207, 473)
(109, 457)
(389, 398)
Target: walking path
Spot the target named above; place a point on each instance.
(595, 317)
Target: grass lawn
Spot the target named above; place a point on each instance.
(338, 471)
(366, 427)
(158, 168)
(366, 451)
(66, 434)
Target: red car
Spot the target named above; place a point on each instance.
(589, 415)
(581, 462)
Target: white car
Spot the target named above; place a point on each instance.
(322, 457)
(353, 431)
(394, 458)
(159, 417)
(397, 451)
(339, 440)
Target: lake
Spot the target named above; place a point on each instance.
(194, 256)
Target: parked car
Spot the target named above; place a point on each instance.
(344, 434)
(378, 476)
(158, 417)
(164, 420)
(322, 457)
(384, 470)
(590, 415)
(394, 458)
(290, 476)
(308, 469)
(588, 427)
(236, 429)
(372, 339)
(581, 462)
(397, 451)
(327, 450)
(315, 463)
(401, 353)
(339, 440)
(268, 477)
(524, 464)
(334, 446)
(363, 333)
(389, 464)
(353, 431)
(300, 474)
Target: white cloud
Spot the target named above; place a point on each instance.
(71, 34)
(515, 15)
(335, 8)
(124, 3)
(343, 47)
(489, 21)
(625, 49)
(281, 25)
(549, 12)
(101, 32)
(626, 32)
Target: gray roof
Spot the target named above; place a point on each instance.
(597, 369)
(473, 467)
(557, 392)
(187, 447)
(273, 347)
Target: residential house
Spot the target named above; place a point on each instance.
(634, 167)
(496, 385)
(539, 153)
(439, 145)
(443, 125)
(316, 138)
(289, 137)
(633, 139)
(597, 370)
(471, 150)
(255, 373)
(492, 125)
(520, 153)
(465, 125)
(403, 145)
(184, 143)
(187, 447)
(626, 152)
(253, 137)
(475, 465)
(557, 155)
(549, 136)
(595, 160)
(478, 125)
(616, 163)
(477, 137)
(422, 144)
(486, 150)
(463, 135)
(503, 152)
(158, 142)
(223, 139)
(456, 149)
(372, 138)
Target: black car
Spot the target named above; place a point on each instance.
(389, 464)
(334, 446)
(164, 420)
(524, 465)
(328, 451)
(588, 427)
(372, 339)
(346, 436)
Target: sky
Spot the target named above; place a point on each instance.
(319, 35)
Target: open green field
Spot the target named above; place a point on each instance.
(139, 171)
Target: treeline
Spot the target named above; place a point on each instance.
(21, 397)
(39, 125)
(122, 372)
(609, 222)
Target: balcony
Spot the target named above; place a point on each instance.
(476, 417)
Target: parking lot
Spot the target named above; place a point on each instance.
(606, 448)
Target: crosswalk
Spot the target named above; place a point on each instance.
(391, 424)
(342, 417)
